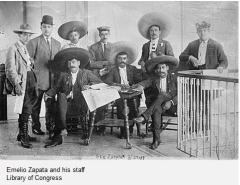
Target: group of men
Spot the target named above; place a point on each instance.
(28, 67)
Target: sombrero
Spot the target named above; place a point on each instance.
(123, 46)
(78, 26)
(61, 58)
(172, 62)
(24, 28)
(155, 18)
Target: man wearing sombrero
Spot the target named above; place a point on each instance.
(73, 31)
(20, 73)
(69, 87)
(164, 91)
(122, 55)
(43, 49)
(204, 53)
(154, 26)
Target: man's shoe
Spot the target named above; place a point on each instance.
(29, 137)
(51, 135)
(155, 145)
(37, 131)
(56, 141)
(139, 120)
(121, 136)
(141, 136)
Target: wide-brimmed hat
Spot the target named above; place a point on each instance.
(61, 58)
(47, 19)
(123, 46)
(155, 18)
(78, 26)
(24, 28)
(172, 62)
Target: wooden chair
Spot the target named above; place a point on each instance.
(165, 124)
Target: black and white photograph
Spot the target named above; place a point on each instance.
(119, 86)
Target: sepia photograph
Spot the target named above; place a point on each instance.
(136, 81)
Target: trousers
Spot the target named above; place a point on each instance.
(155, 111)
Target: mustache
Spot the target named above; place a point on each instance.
(122, 62)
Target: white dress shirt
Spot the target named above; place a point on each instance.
(162, 84)
(123, 75)
(202, 52)
(153, 46)
(72, 45)
(48, 40)
(103, 48)
(74, 77)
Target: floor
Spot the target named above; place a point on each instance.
(101, 147)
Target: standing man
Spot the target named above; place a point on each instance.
(99, 53)
(125, 75)
(99, 65)
(72, 31)
(20, 73)
(69, 87)
(155, 27)
(204, 53)
(200, 54)
(42, 49)
(164, 85)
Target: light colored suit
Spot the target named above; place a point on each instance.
(39, 51)
(98, 58)
(16, 66)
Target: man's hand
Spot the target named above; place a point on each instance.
(46, 97)
(220, 69)
(160, 54)
(194, 61)
(86, 87)
(167, 105)
(142, 63)
(18, 89)
(153, 55)
(122, 85)
(106, 63)
(137, 87)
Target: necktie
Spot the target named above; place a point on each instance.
(70, 83)
(49, 47)
(105, 48)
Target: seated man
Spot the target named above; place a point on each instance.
(124, 75)
(69, 87)
(164, 90)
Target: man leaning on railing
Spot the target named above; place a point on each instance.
(204, 53)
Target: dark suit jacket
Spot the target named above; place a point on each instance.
(133, 75)
(97, 56)
(39, 51)
(163, 46)
(171, 87)
(215, 55)
(84, 77)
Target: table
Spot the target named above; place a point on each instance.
(125, 96)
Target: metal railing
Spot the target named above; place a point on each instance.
(208, 113)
